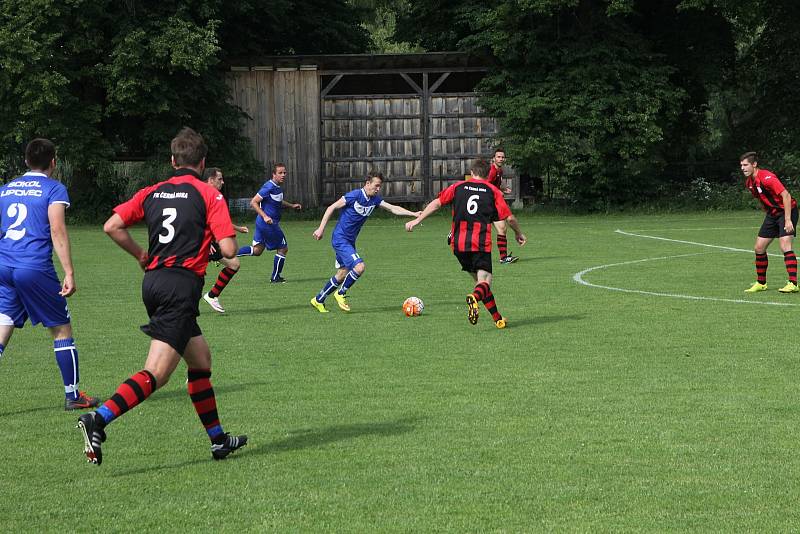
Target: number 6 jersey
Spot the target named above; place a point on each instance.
(476, 205)
(24, 223)
(182, 214)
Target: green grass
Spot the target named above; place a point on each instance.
(596, 410)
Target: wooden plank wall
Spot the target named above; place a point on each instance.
(365, 133)
(283, 107)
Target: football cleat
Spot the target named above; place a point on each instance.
(83, 402)
(220, 451)
(93, 437)
(790, 287)
(214, 303)
(319, 306)
(500, 323)
(508, 259)
(341, 300)
(472, 309)
(755, 288)
(278, 280)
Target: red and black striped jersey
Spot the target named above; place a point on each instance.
(767, 188)
(495, 176)
(476, 205)
(183, 215)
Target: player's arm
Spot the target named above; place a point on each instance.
(58, 234)
(241, 229)
(255, 203)
(398, 210)
(117, 230)
(514, 224)
(326, 217)
(290, 205)
(434, 205)
(787, 211)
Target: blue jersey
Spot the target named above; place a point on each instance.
(272, 201)
(358, 206)
(24, 224)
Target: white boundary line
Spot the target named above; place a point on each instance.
(578, 277)
(732, 249)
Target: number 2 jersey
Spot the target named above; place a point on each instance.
(25, 240)
(182, 214)
(476, 205)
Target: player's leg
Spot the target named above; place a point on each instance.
(11, 310)
(789, 257)
(254, 249)
(277, 242)
(198, 360)
(66, 354)
(224, 277)
(6, 329)
(501, 227)
(318, 301)
(356, 269)
(767, 232)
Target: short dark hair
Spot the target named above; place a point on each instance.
(499, 149)
(275, 167)
(480, 168)
(374, 174)
(751, 157)
(188, 147)
(210, 172)
(39, 153)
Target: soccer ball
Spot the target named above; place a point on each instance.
(413, 306)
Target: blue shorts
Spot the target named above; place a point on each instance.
(269, 235)
(346, 255)
(29, 294)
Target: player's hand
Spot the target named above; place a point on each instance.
(298, 207)
(521, 239)
(318, 233)
(411, 224)
(507, 190)
(267, 219)
(68, 286)
(242, 229)
(789, 227)
(143, 259)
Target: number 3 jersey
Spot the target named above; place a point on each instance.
(24, 223)
(183, 215)
(476, 205)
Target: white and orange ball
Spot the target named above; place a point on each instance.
(413, 306)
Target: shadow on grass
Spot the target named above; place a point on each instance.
(308, 438)
(34, 410)
(299, 439)
(544, 319)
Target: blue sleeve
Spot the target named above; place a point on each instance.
(265, 189)
(58, 193)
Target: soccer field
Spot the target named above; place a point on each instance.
(637, 388)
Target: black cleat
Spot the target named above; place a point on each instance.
(93, 437)
(278, 280)
(508, 259)
(83, 402)
(220, 451)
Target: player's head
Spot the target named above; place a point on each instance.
(278, 173)
(479, 169)
(188, 149)
(40, 155)
(373, 184)
(499, 156)
(213, 175)
(748, 163)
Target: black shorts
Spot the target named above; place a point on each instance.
(773, 225)
(473, 261)
(171, 297)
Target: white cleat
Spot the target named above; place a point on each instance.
(214, 303)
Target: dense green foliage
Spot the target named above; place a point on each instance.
(594, 411)
(116, 80)
(616, 97)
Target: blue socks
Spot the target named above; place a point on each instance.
(328, 289)
(67, 360)
(2, 348)
(245, 251)
(349, 280)
(277, 266)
